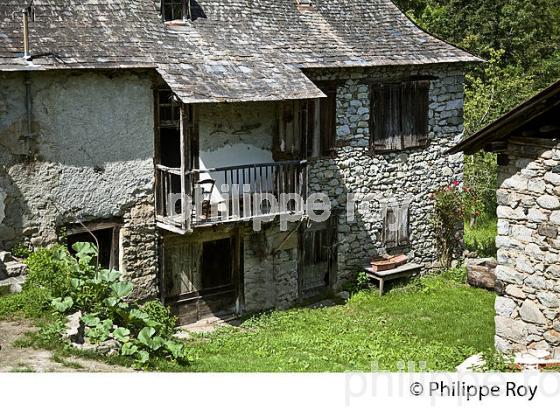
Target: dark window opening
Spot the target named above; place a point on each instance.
(181, 10)
(217, 267)
(399, 115)
(107, 240)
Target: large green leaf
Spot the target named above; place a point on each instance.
(62, 305)
(85, 251)
(121, 334)
(128, 349)
(91, 320)
(146, 337)
(109, 275)
(122, 289)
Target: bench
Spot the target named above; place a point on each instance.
(405, 271)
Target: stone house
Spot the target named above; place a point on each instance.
(528, 271)
(153, 125)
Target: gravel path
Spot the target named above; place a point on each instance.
(16, 359)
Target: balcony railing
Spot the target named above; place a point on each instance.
(225, 194)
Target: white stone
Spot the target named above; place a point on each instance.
(516, 182)
(471, 363)
(510, 329)
(535, 282)
(508, 275)
(548, 299)
(530, 312)
(555, 217)
(536, 185)
(516, 292)
(548, 202)
(536, 215)
(503, 227)
(504, 306)
(552, 177)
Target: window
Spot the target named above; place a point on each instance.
(395, 224)
(305, 4)
(181, 10)
(217, 257)
(399, 118)
(307, 128)
(106, 236)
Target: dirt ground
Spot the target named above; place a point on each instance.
(16, 359)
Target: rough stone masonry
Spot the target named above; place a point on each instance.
(528, 271)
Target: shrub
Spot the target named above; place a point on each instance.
(161, 314)
(360, 283)
(48, 269)
(448, 222)
(20, 250)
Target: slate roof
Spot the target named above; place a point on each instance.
(244, 49)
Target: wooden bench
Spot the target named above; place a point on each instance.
(405, 271)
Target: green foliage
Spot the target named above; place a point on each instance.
(360, 283)
(481, 179)
(20, 250)
(495, 361)
(31, 303)
(447, 220)
(161, 316)
(481, 237)
(49, 270)
(62, 304)
(63, 283)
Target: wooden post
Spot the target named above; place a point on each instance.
(184, 138)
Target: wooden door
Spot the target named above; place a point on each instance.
(201, 277)
(317, 259)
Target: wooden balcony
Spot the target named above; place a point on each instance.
(219, 195)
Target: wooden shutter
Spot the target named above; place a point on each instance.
(390, 231)
(399, 115)
(415, 106)
(328, 120)
(385, 114)
(395, 225)
(291, 119)
(403, 225)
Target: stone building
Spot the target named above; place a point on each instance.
(118, 117)
(528, 271)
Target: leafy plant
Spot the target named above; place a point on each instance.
(447, 221)
(360, 283)
(48, 269)
(62, 304)
(20, 250)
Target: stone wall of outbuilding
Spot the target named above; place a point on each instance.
(528, 271)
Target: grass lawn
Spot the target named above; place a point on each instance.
(434, 320)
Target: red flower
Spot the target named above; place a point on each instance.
(455, 183)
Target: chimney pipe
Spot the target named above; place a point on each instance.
(26, 53)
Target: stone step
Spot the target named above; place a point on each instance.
(12, 269)
(11, 285)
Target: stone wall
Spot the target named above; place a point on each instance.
(89, 158)
(407, 175)
(528, 271)
(270, 268)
